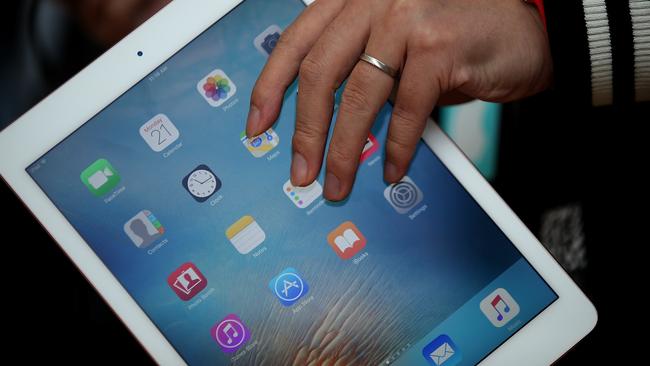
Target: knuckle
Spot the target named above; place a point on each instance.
(338, 158)
(403, 140)
(307, 132)
(399, 7)
(398, 144)
(427, 38)
(355, 97)
(287, 41)
(357, 4)
(461, 75)
(405, 116)
(311, 70)
(259, 95)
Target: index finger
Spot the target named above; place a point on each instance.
(283, 64)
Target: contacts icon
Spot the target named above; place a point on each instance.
(143, 229)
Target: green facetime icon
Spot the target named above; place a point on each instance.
(100, 177)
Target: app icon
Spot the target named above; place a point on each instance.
(289, 286)
(245, 234)
(100, 177)
(265, 42)
(302, 196)
(346, 240)
(230, 333)
(262, 144)
(442, 351)
(216, 88)
(143, 229)
(159, 132)
(202, 183)
(187, 281)
(499, 307)
(369, 148)
(403, 195)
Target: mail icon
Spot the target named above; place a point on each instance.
(442, 352)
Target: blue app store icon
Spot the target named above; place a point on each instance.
(442, 351)
(289, 286)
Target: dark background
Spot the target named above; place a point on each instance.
(570, 172)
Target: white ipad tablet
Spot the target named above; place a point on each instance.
(139, 169)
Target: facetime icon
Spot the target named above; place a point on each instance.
(346, 240)
(100, 177)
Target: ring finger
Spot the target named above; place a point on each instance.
(366, 91)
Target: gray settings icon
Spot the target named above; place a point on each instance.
(404, 195)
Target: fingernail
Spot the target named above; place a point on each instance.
(253, 122)
(298, 169)
(390, 172)
(332, 186)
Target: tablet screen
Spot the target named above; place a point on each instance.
(235, 265)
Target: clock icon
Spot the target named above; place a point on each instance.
(202, 183)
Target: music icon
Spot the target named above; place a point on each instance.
(230, 333)
(499, 307)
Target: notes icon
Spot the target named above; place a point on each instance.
(499, 307)
(230, 333)
(245, 234)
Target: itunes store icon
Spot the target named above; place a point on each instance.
(230, 333)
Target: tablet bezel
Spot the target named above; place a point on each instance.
(557, 328)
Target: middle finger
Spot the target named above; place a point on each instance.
(321, 73)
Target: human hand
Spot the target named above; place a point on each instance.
(109, 21)
(447, 51)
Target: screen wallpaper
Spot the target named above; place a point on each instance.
(236, 266)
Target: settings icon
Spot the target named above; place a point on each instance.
(404, 195)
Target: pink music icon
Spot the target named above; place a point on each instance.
(230, 333)
(499, 307)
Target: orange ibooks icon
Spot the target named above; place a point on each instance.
(346, 240)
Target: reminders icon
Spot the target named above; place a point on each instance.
(346, 240)
(302, 196)
(245, 234)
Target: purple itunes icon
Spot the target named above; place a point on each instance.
(230, 333)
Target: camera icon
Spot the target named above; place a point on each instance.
(270, 41)
(265, 42)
